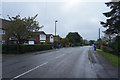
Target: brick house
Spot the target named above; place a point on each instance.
(39, 36)
(3, 27)
(49, 38)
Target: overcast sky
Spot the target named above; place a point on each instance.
(72, 15)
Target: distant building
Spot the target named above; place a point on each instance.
(49, 38)
(39, 36)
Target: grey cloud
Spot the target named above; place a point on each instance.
(78, 18)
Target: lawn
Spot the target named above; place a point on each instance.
(113, 59)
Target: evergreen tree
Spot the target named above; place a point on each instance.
(74, 37)
(113, 23)
(113, 18)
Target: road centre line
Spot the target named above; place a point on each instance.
(29, 71)
(60, 56)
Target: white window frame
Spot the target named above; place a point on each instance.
(3, 31)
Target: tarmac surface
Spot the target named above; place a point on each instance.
(73, 62)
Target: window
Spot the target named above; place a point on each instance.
(2, 31)
(3, 41)
(42, 37)
(31, 42)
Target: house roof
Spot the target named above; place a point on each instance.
(56, 35)
(48, 35)
(4, 23)
(39, 32)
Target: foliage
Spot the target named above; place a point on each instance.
(64, 40)
(113, 22)
(113, 26)
(25, 48)
(74, 37)
(85, 42)
(117, 44)
(107, 49)
(99, 43)
(91, 42)
(9, 48)
(22, 28)
(78, 44)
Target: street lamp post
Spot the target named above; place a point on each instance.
(55, 33)
(55, 26)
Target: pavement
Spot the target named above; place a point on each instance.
(102, 67)
(73, 62)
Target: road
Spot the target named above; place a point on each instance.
(70, 62)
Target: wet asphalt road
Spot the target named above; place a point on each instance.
(61, 63)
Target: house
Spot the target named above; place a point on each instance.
(3, 28)
(49, 38)
(39, 36)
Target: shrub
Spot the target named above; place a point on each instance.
(9, 48)
(117, 44)
(25, 48)
(78, 44)
(107, 49)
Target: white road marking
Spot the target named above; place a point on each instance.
(28, 71)
(60, 56)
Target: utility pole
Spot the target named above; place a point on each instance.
(55, 34)
(99, 39)
(55, 26)
(99, 33)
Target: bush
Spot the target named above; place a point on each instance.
(25, 48)
(78, 44)
(107, 49)
(117, 44)
(9, 48)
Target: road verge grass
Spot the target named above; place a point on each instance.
(113, 59)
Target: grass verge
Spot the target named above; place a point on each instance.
(113, 59)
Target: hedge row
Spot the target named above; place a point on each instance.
(78, 44)
(107, 49)
(25, 48)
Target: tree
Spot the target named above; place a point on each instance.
(85, 42)
(64, 40)
(91, 42)
(74, 37)
(99, 43)
(22, 28)
(113, 22)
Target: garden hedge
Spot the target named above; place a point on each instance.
(25, 48)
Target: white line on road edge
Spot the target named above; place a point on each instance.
(28, 71)
(60, 56)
